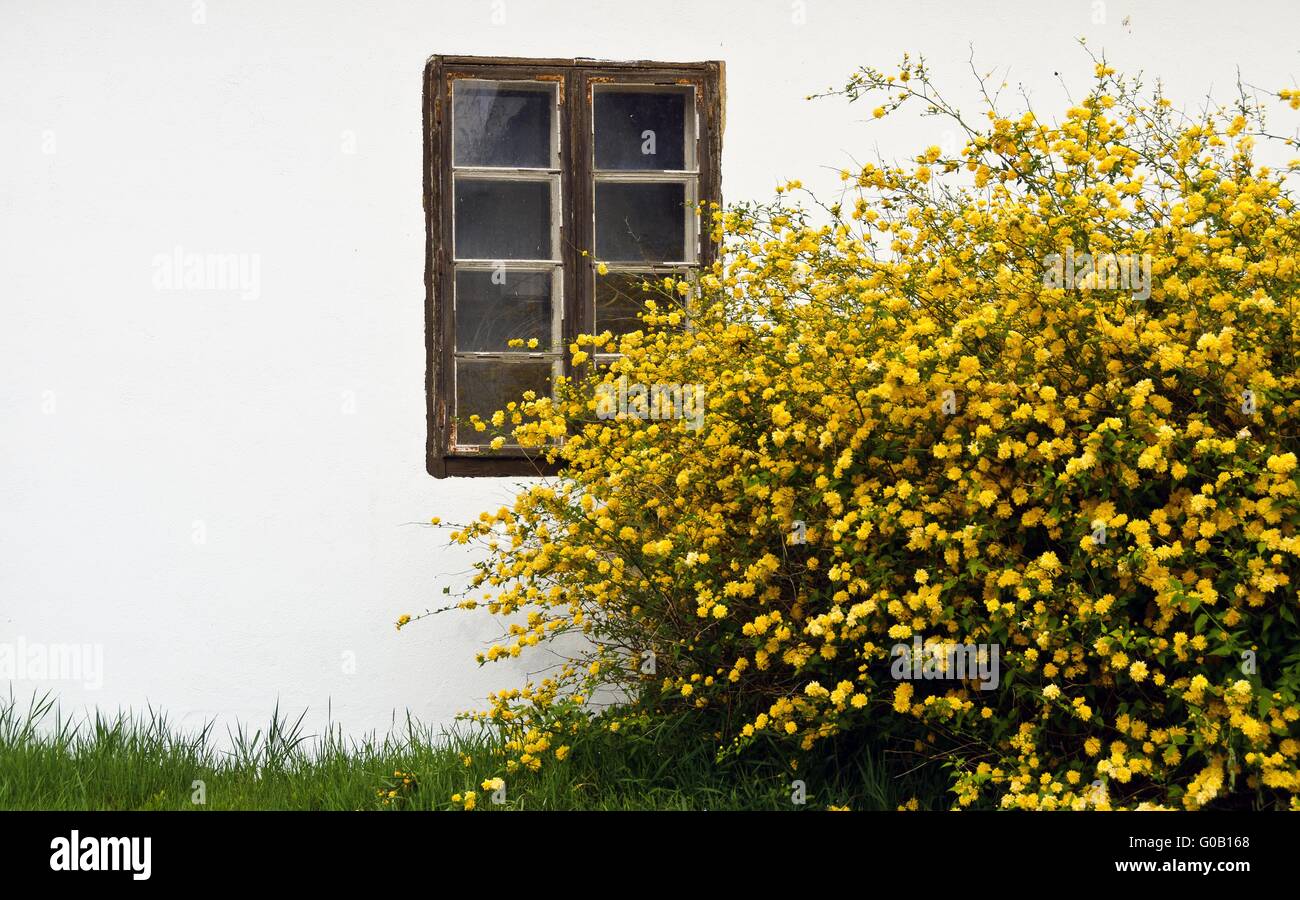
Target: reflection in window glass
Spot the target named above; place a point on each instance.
(485, 386)
(640, 130)
(638, 222)
(501, 126)
(496, 306)
(498, 219)
(620, 296)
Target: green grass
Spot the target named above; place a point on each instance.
(49, 761)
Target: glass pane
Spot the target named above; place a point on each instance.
(501, 126)
(640, 222)
(494, 306)
(640, 130)
(503, 219)
(484, 386)
(620, 296)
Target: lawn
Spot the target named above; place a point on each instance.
(56, 762)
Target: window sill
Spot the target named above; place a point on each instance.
(490, 466)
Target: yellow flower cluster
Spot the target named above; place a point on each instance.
(927, 417)
(399, 789)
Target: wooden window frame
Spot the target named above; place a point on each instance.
(575, 80)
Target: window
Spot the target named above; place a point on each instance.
(535, 172)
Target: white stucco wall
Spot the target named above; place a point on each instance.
(224, 493)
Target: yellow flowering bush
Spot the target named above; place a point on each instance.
(928, 413)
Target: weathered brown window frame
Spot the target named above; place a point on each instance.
(575, 79)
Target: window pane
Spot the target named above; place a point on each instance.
(494, 306)
(501, 126)
(498, 219)
(620, 296)
(640, 130)
(640, 222)
(484, 386)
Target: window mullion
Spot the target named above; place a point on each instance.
(578, 309)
